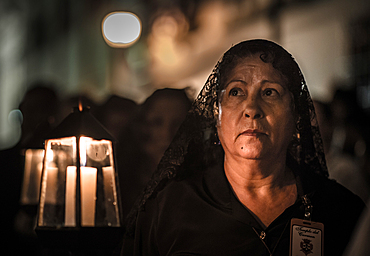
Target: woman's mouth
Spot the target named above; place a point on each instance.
(253, 132)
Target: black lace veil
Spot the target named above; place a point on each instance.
(196, 142)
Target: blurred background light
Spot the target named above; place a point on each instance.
(15, 118)
(121, 29)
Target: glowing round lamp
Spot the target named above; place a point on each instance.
(121, 29)
(79, 205)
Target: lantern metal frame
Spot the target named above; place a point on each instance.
(80, 237)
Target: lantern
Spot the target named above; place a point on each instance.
(79, 201)
(32, 176)
(33, 153)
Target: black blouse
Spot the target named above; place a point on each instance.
(200, 215)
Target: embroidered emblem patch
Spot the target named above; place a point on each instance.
(306, 246)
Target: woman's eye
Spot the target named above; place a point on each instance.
(236, 92)
(270, 92)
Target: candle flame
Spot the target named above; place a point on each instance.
(80, 105)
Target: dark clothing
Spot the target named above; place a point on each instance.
(200, 215)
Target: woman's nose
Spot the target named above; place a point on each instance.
(252, 108)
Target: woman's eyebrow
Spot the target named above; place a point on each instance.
(273, 82)
(263, 82)
(235, 81)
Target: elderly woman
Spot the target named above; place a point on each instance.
(244, 167)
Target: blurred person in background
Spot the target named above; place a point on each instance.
(117, 115)
(39, 108)
(344, 132)
(359, 244)
(157, 121)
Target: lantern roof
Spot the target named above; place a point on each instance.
(80, 123)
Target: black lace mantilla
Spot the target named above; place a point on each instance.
(196, 139)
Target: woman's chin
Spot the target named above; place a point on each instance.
(251, 155)
(251, 151)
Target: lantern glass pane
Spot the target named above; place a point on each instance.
(59, 155)
(32, 176)
(98, 184)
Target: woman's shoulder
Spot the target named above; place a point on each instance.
(333, 196)
(337, 208)
(329, 197)
(327, 188)
(335, 190)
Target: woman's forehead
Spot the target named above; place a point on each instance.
(252, 66)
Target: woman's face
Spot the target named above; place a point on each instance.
(256, 119)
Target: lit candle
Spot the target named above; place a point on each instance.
(32, 176)
(110, 196)
(70, 202)
(51, 185)
(88, 195)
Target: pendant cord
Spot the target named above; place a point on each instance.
(308, 209)
(263, 236)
